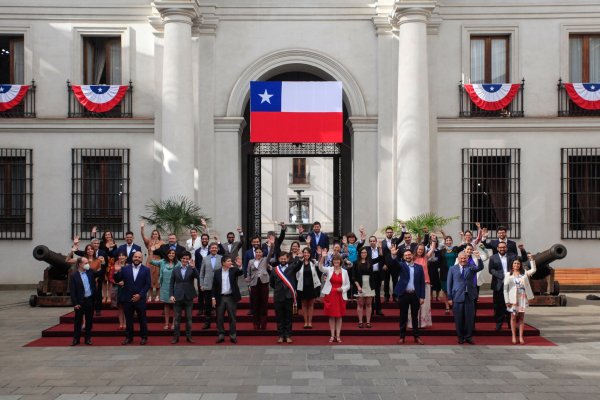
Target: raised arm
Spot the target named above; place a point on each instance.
(144, 238)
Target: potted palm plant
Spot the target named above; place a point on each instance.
(174, 215)
(420, 224)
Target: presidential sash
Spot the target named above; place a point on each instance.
(289, 285)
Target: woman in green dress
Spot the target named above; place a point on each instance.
(165, 271)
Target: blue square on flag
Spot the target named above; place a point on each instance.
(265, 96)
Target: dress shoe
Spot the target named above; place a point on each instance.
(418, 340)
(189, 339)
(75, 342)
(250, 312)
(470, 341)
(289, 340)
(98, 313)
(386, 300)
(379, 313)
(126, 341)
(233, 339)
(88, 342)
(175, 340)
(461, 341)
(220, 339)
(143, 341)
(498, 327)
(206, 326)
(401, 340)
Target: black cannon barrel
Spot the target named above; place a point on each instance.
(555, 252)
(59, 268)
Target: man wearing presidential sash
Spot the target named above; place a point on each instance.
(283, 282)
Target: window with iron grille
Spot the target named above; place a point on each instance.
(15, 193)
(100, 191)
(491, 189)
(580, 193)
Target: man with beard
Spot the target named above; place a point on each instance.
(390, 273)
(171, 245)
(182, 293)
(232, 247)
(199, 254)
(205, 280)
(248, 256)
(136, 279)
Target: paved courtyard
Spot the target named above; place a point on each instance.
(569, 371)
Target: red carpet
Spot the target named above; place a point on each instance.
(384, 331)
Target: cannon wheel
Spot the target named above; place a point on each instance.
(563, 300)
(556, 288)
(33, 300)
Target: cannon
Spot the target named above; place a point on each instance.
(545, 288)
(54, 289)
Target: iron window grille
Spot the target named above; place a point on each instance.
(16, 194)
(100, 191)
(122, 110)
(25, 109)
(580, 193)
(567, 108)
(491, 189)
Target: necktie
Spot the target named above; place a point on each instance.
(462, 272)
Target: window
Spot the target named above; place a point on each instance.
(12, 65)
(299, 205)
(100, 180)
(584, 58)
(491, 189)
(490, 59)
(299, 175)
(15, 193)
(580, 193)
(101, 60)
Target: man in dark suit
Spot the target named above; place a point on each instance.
(410, 291)
(499, 265)
(182, 293)
(407, 243)
(390, 272)
(315, 239)
(129, 248)
(210, 263)
(226, 295)
(172, 244)
(375, 254)
(283, 282)
(462, 293)
(232, 247)
(136, 279)
(103, 257)
(277, 243)
(199, 255)
(82, 290)
(493, 244)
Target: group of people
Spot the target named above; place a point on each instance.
(347, 270)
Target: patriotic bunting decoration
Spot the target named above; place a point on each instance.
(11, 95)
(492, 97)
(294, 112)
(99, 98)
(585, 95)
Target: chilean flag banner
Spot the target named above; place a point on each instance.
(493, 96)
(585, 95)
(296, 112)
(11, 95)
(99, 98)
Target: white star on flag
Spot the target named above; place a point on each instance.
(265, 97)
(100, 89)
(593, 87)
(1, 89)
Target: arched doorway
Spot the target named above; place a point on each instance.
(253, 153)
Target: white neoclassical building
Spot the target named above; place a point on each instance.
(414, 141)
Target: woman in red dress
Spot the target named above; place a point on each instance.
(336, 285)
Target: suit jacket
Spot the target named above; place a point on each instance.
(497, 271)
(123, 248)
(493, 244)
(380, 259)
(182, 288)
(76, 288)
(205, 278)
(404, 278)
(217, 284)
(277, 251)
(280, 290)
(164, 249)
(403, 247)
(235, 248)
(131, 287)
(323, 242)
(387, 255)
(510, 287)
(458, 285)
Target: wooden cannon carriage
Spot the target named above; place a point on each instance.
(54, 289)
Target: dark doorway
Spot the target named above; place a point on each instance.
(252, 153)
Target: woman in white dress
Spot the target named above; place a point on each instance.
(517, 293)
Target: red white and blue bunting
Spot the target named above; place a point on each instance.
(585, 95)
(11, 95)
(99, 98)
(493, 96)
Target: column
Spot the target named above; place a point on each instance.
(177, 177)
(412, 160)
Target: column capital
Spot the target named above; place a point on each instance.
(182, 11)
(406, 11)
(383, 24)
(229, 125)
(363, 124)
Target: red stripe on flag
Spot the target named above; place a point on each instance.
(285, 127)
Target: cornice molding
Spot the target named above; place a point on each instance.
(78, 126)
(363, 124)
(229, 125)
(178, 11)
(512, 125)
